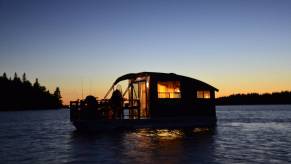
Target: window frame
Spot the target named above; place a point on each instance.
(204, 94)
(172, 95)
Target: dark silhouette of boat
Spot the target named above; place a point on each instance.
(150, 100)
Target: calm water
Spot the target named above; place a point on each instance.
(245, 134)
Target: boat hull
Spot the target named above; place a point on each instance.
(161, 123)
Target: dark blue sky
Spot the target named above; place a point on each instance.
(237, 46)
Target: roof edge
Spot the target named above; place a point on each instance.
(135, 75)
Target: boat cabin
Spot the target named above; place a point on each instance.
(159, 95)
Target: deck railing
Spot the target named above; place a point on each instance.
(80, 111)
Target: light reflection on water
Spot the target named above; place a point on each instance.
(151, 146)
(141, 146)
(251, 134)
(168, 134)
(160, 133)
(145, 146)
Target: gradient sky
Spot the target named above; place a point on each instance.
(236, 46)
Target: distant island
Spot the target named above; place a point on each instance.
(21, 94)
(283, 97)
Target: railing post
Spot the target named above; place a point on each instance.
(138, 108)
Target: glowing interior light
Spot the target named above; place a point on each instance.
(169, 89)
(203, 94)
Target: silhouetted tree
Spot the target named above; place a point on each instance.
(5, 76)
(17, 94)
(16, 78)
(283, 97)
(57, 93)
(42, 88)
(58, 96)
(24, 77)
(36, 84)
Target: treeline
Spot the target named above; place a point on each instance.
(20, 94)
(283, 97)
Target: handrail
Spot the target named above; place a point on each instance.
(111, 88)
(104, 110)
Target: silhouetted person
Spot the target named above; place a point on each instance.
(89, 108)
(116, 103)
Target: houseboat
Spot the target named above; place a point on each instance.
(150, 100)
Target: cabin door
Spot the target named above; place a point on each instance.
(142, 92)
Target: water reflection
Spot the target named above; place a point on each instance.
(242, 136)
(142, 146)
(159, 133)
(150, 145)
(170, 134)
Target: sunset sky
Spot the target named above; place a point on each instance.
(236, 46)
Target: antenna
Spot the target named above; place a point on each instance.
(82, 90)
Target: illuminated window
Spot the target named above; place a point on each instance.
(203, 94)
(169, 89)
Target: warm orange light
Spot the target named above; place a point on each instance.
(203, 94)
(169, 89)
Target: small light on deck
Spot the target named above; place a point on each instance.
(147, 84)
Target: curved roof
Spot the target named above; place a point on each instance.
(164, 76)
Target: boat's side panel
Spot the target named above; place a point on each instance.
(187, 105)
(169, 123)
